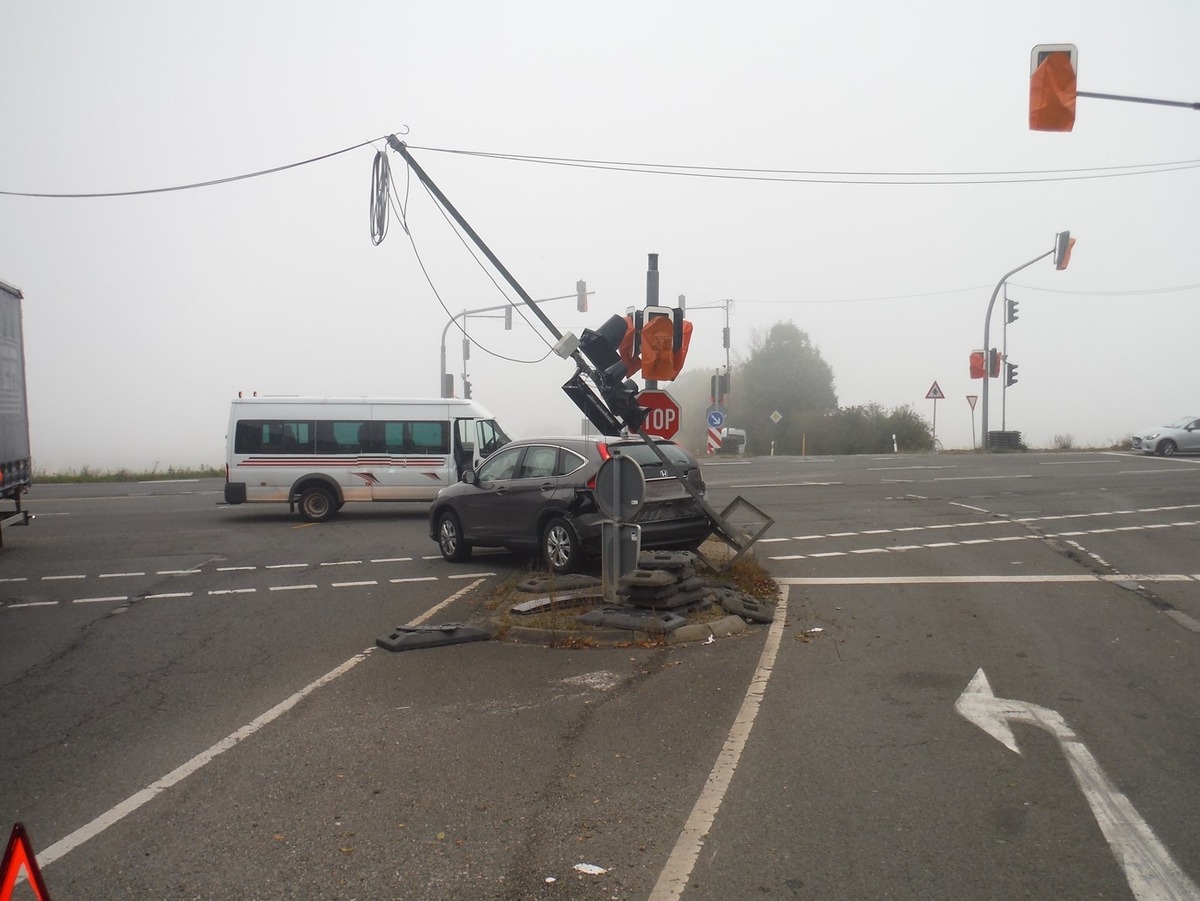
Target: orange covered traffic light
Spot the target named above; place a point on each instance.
(1052, 88)
(1063, 243)
(665, 341)
(977, 365)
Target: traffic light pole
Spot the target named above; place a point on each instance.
(1004, 366)
(463, 315)
(987, 331)
(401, 148)
(726, 530)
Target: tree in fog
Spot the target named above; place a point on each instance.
(783, 373)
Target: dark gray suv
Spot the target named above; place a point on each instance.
(536, 494)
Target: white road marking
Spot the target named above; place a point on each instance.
(60, 578)
(291, 587)
(414, 579)
(678, 869)
(287, 565)
(120, 575)
(393, 560)
(72, 841)
(33, 604)
(177, 572)
(342, 563)
(233, 591)
(1183, 619)
(169, 594)
(236, 569)
(115, 598)
(1148, 866)
(470, 575)
(354, 584)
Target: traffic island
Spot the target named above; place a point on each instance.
(668, 599)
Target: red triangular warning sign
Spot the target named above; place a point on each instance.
(18, 855)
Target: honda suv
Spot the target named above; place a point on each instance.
(537, 494)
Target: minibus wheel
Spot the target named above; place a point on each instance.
(317, 504)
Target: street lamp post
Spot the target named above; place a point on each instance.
(442, 387)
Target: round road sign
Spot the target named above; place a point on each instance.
(620, 487)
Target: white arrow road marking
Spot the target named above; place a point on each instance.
(1149, 869)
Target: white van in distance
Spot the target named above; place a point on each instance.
(317, 453)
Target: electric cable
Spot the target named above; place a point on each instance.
(381, 176)
(453, 317)
(198, 184)
(817, 176)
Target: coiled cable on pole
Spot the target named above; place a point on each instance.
(381, 177)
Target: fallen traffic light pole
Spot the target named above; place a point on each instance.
(600, 387)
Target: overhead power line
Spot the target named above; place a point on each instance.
(818, 176)
(188, 187)
(809, 176)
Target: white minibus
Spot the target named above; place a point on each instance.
(317, 453)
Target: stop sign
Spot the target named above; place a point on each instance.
(662, 413)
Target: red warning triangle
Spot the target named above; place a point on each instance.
(19, 854)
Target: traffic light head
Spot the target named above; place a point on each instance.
(978, 370)
(602, 346)
(581, 296)
(1012, 311)
(994, 360)
(1010, 374)
(1063, 243)
(1052, 88)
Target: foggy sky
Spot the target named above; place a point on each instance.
(145, 315)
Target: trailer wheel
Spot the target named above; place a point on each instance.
(317, 504)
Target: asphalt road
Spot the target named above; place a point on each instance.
(193, 707)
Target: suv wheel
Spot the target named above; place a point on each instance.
(449, 538)
(560, 547)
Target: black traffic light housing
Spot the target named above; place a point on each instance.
(608, 381)
(1012, 311)
(1010, 374)
(994, 358)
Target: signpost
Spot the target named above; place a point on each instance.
(971, 398)
(715, 417)
(935, 394)
(620, 488)
(662, 413)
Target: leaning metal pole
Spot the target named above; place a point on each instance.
(730, 534)
(987, 332)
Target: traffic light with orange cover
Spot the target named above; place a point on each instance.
(1052, 89)
(977, 364)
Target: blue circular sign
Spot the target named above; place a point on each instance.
(716, 419)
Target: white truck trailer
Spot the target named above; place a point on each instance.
(16, 469)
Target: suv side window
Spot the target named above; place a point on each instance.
(539, 462)
(500, 466)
